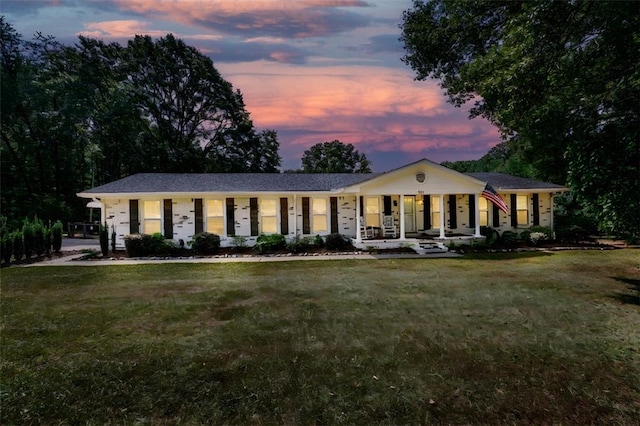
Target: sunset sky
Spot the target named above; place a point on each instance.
(313, 70)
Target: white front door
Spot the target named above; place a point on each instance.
(409, 213)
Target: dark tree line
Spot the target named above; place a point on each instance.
(561, 80)
(78, 116)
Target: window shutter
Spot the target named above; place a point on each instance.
(453, 214)
(361, 205)
(168, 219)
(306, 223)
(334, 215)
(386, 203)
(134, 222)
(426, 202)
(514, 211)
(231, 216)
(199, 222)
(536, 210)
(496, 216)
(253, 215)
(284, 216)
(472, 211)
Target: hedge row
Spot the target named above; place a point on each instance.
(33, 238)
(140, 245)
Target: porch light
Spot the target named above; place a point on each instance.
(94, 204)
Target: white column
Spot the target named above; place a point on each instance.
(477, 214)
(295, 213)
(442, 212)
(358, 224)
(402, 236)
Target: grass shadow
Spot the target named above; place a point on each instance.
(633, 285)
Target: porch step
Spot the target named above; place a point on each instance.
(427, 247)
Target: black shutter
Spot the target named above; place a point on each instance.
(284, 216)
(199, 223)
(231, 216)
(253, 215)
(536, 210)
(496, 216)
(426, 201)
(168, 219)
(453, 214)
(362, 206)
(134, 222)
(306, 222)
(334, 214)
(472, 211)
(386, 203)
(514, 211)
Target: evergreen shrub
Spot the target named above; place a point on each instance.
(268, 243)
(337, 241)
(205, 243)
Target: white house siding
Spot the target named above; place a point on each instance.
(117, 216)
(183, 219)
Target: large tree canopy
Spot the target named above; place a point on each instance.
(334, 157)
(82, 115)
(561, 80)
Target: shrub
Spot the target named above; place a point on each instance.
(525, 236)
(38, 237)
(547, 231)
(113, 238)
(18, 245)
(318, 241)
(509, 238)
(47, 240)
(491, 235)
(139, 245)
(56, 236)
(239, 243)
(299, 245)
(267, 243)
(337, 241)
(28, 238)
(104, 239)
(538, 237)
(7, 247)
(205, 243)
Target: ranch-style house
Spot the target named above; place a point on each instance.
(422, 205)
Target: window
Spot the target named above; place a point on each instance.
(372, 212)
(215, 217)
(522, 205)
(483, 207)
(319, 214)
(268, 216)
(152, 217)
(435, 212)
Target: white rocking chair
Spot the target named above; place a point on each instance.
(365, 233)
(388, 227)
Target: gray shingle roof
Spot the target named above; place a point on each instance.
(229, 182)
(504, 181)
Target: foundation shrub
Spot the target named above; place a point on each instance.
(104, 239)
(140, 245)
(205, 243)
(492, 236)
(509, 238)
(269, 243)
(337, 242)
(299, 244)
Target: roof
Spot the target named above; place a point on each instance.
(503, 181)
(229, 182)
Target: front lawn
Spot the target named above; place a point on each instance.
(509, 338)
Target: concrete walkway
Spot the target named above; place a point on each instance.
(78, 244)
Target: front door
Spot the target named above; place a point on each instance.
(409, 213)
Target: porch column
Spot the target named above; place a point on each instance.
(402, 237)
(442, 213)
(295, 213)
(358, 224)
(477, 214)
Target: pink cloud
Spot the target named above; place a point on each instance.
(119, 29)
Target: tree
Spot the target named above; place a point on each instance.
(560, 80)
(83, 115)
(334, 157)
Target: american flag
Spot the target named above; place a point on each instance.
(492, 195)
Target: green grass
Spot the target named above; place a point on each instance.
(490, 339)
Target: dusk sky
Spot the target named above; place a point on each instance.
(313, 70)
